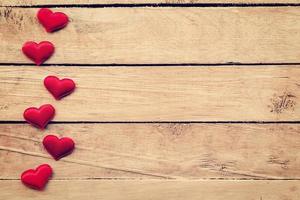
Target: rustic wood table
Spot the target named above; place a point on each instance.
(187, 99)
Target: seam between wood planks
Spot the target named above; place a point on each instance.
(149, 179)
(127, 5)
(150, 65)
(158, 122)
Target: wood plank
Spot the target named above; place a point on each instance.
(103, 2)
(159, 35)
(151, 151)
(159, 190)
(262, 93)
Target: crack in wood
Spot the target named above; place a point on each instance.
(91, 164)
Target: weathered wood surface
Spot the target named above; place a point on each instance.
(134, 160)
(261, 93)
(150, 151)
(100, 2)
(158, 190)
(159, 35)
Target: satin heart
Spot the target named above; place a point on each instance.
(58, 148)
(37, 178)
(39, 117)
(38, 53)
(52, 21)
(59, 88)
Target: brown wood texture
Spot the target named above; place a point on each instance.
(256, 93)
(149, 190)
(100, 2)
(229, 132)
(151, 151)
(159, 35)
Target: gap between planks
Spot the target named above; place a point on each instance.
(156, 5)
(157, 122)
(149, 179)
(230, 64)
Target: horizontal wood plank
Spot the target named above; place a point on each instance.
(159, 35)
(159, 190)
(104, 2)
(262, 93)
(157, 151)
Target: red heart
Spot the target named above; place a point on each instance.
(39, 117)
(59, 88)
(38, 53)
(58, 148)
(52, 21)
(38, 178)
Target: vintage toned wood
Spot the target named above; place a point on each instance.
(151, 151)
(159, 190)
(159, 35)
(88, 2)
(210, 161)
(256, 93)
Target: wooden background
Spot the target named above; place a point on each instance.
(176, 99)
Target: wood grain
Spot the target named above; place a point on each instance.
(213, 161)
(100, 2)
(159, 190)
(158, 151)
(159, 35)
(262, 93)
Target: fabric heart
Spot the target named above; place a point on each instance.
(39, 117)
(52, 21)
(58, 148)
(59, 88)
(38, 178)
(38, 53)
